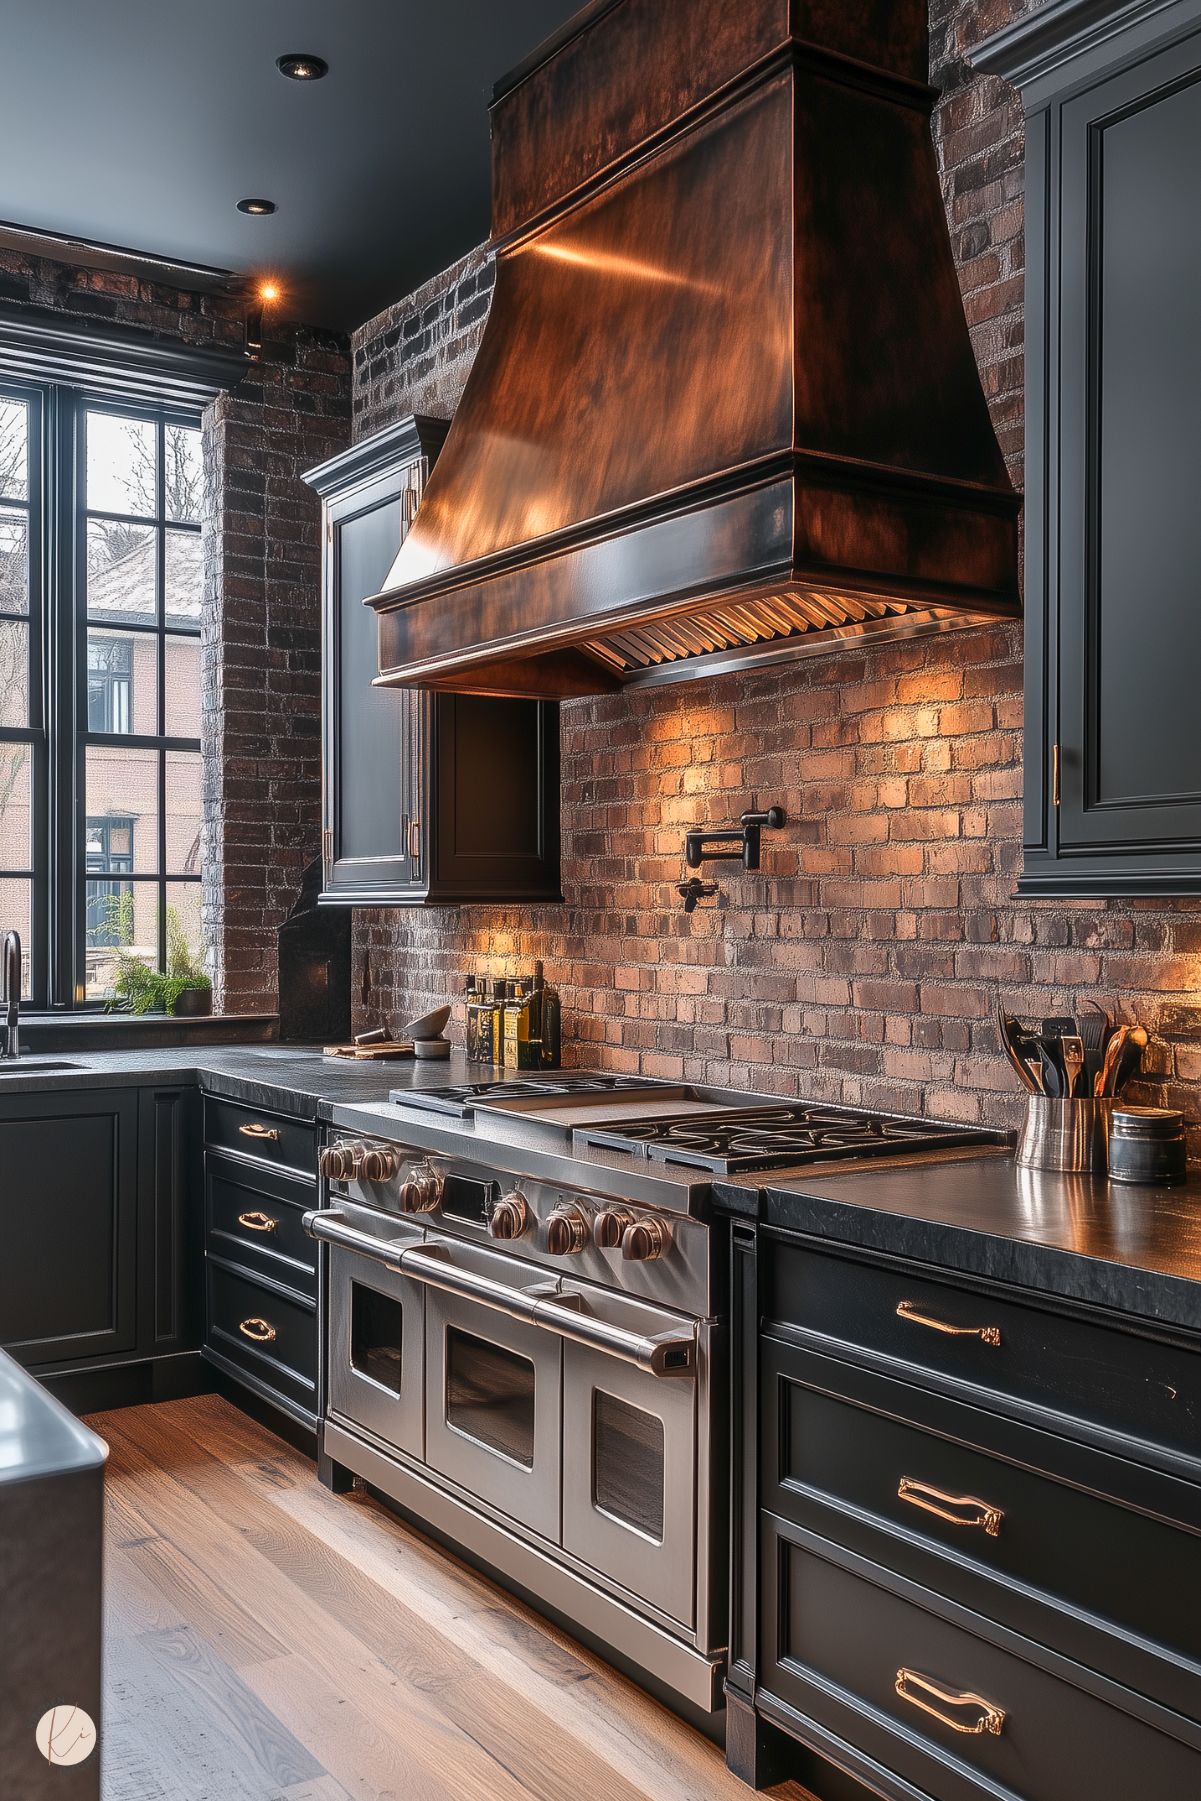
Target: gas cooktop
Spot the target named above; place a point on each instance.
(774, 1135)
(461, 1098)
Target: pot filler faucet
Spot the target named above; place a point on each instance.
(10, 1045)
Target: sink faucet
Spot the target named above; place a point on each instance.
(10, 1044)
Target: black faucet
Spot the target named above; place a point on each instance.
(10, 1046)
(745, 836)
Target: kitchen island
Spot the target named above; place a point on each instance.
(51, 1522)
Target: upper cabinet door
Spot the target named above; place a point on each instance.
(1113, 442)
(428, 797)
(370, 845)
(1130, 468)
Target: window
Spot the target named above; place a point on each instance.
(110, 683)
(108, 850)
(100, 783)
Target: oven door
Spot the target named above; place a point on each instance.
(376, 1337)
(493, 1394)
(630, 1468)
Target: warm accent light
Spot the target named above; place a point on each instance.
(269, 290)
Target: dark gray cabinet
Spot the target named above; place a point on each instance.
(962, 1552)
(102, 1243)
(1113, 442)
(260, 1268)
(68, 1196)
(428, 797)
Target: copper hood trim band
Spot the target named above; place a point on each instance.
(815, 468)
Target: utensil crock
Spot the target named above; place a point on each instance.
(1065, 1135)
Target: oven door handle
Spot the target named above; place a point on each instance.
(330, 1227)
(658, 1354)
(661, 1354)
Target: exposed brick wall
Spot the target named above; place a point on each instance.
(414, 357)
(263, 667)
(261, 625)
(866, 962)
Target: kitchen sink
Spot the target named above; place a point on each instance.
(33, 1066)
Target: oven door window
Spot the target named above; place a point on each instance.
(377, 1337)
(628, 1467)
(490, 1395)
(376, 1350)
(493, 1388)
(630, 1452)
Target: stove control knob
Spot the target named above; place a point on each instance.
(609, 1227)
(421, 1189)
(510, 1217)
(380, 1163)
(566, 1231)
(340, 1162)
(644, 1240)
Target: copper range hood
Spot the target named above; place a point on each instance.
(725, 409)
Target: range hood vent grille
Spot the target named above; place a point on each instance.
(783, 624)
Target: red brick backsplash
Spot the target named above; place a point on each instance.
(865, 962)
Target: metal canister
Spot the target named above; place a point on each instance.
(1147, 1144)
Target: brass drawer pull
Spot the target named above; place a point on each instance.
(991, 1718)
(258, 1330)
(257, 1222)
(270, 1134)
(986, 1334)
(933, 1500)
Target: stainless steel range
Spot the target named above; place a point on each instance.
(523, 1335)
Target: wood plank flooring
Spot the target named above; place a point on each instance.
(269, 1641)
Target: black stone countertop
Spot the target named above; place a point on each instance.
(38, 1437)
(1136, 1250)
(286, 1078)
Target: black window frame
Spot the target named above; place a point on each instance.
(58, 727)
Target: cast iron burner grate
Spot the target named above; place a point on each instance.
(459, 1098)
(771, 1137)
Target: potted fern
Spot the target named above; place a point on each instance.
(182, 989)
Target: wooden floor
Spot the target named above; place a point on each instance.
(269, 1641)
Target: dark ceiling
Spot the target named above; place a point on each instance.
(143, 122)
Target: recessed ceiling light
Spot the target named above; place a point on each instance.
(256, 206)
(300, 66)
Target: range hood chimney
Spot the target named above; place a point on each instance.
(725, 409)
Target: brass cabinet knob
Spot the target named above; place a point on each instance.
(340, 1162)
(566, 1232)
(609, 1227)
(379, 1163)
(510, 1218)
(421, 1189)
(643, 1241)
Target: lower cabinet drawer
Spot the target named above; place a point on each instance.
(956, 1498)
(943, 1708)
(269, 1336)
(1093, 1376)
(273, 1138)
(253, 1217)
